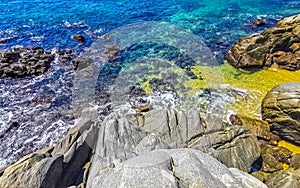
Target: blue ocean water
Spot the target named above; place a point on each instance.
(51, 23)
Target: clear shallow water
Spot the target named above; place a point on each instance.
(35, 112)
(51, 23)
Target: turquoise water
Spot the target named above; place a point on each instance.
(51, 23)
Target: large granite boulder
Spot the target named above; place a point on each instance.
(173, 168)
(281, 108)
(278, 45)
(234, 146)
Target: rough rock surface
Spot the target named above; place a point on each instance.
(295, 161)
(281, 108)
(22, 62)
(121, 152)
(273, 157)
(173, 168)
(257, 127)
(59, 166)
(258, 22)
(234, 146)
(284, 179)
(278, 45)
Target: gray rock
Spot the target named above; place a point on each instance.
(23, 62)
(281, 108)
(284, 179)
(234, 146)
(119, 153)
(174, 168)
(118, 140)
(76, 153)
(35, 170)
(59, 166)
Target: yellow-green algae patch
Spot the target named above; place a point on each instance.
(294, 149)
(256, 83)
(146, 84)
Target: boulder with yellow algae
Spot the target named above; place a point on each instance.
(257, 127)
(273, 157)
(278, 45)
(281, 108)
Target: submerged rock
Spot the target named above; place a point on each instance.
(258, 22)
(281, 108)
(278, 45)
(111, 52)
(79, 38)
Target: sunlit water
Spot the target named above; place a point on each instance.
(36, 111)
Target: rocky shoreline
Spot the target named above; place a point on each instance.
(279, 45)
(174, 147)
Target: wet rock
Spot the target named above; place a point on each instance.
(81, 63)
(295, 161)
(21, 62)
(111, 52)
(258, 22)
(257, 127)
(259, 175)
(281, 108)
(273, 157)
(234, 146)
(79, 38)
(277, 45)
(284, 179)
(143, 108)
(173, 168)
